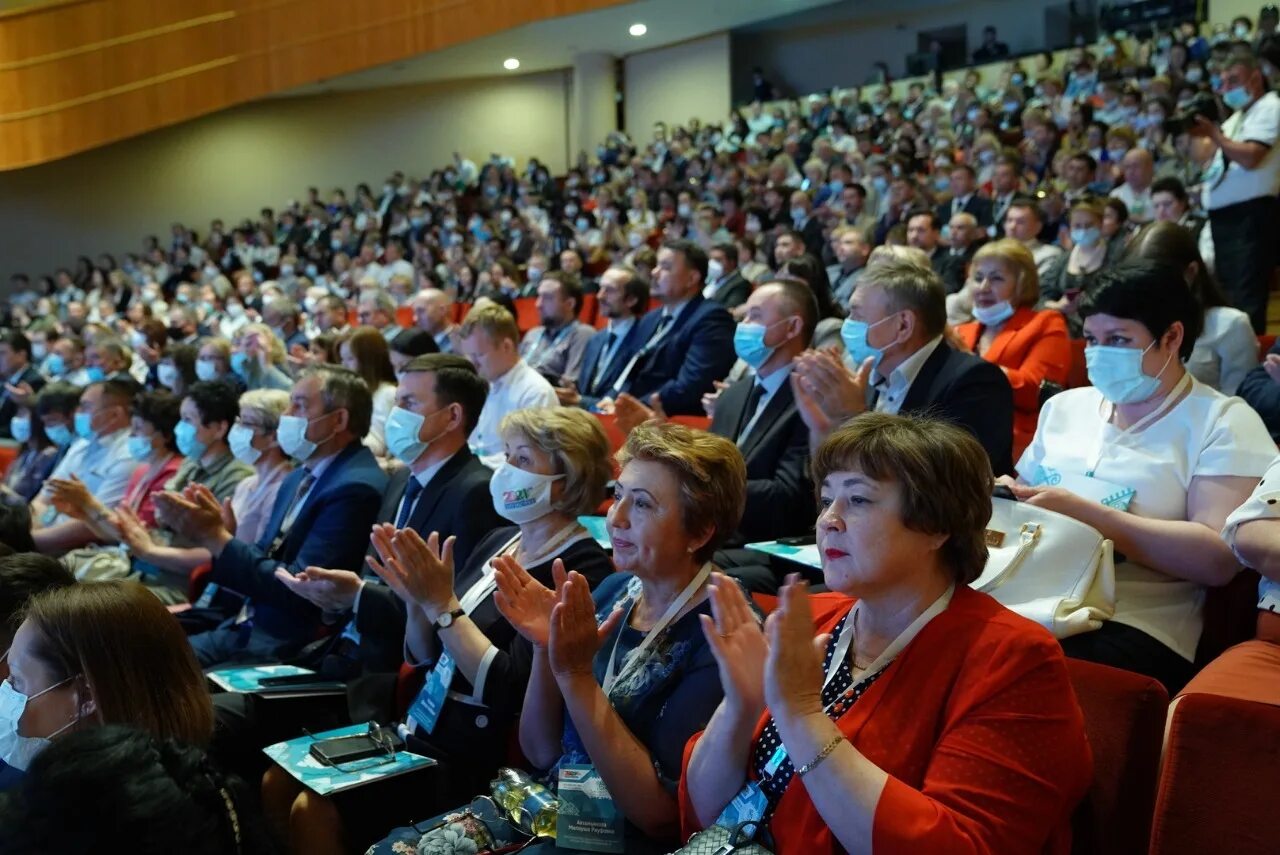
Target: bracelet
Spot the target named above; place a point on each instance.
(822, 755)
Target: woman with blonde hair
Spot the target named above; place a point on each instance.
(1074, 274)
(1030, 346)
(258, 358)
(99, 653)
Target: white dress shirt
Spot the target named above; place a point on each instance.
(519, 388)
(103, 464)
(894, 391)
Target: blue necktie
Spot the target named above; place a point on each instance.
(411, 492)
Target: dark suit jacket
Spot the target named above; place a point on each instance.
(950, 269)
(979, 206)
(591, 391)
(970, 392)
(1263, 394)
(696, 351)
(330, 530)
(455, 502)
(733, 291)
(779, 493)
(9, 407)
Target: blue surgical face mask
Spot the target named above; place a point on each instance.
(854, 335)
(59, 435)
(17, 750)
(240, 363)
(55, 365)
(403, 429)
(96, 374)
(84, 425)
(748, 343)
(139, 448)
(20, 428)
(185, 436)
(993, 315)
(240, 438)
(1117, 373)
(1236, 97)
(1086, 237)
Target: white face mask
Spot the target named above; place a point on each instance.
(167, 375)
(206, 369)
(292, 436)
(16, 750)
(521, 496)
(240, 438)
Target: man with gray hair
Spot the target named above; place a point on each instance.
(432, 312)
(321, 517)
(1241, 184)
(894, 337)
(376, 308)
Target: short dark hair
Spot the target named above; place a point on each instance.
(414, 342)
(457, 382)
(694, 255)
(22, 576)
(934, 223)
(1172, 186)
(216, 401)
(636, 288)
(1154, 294)
(161, 410)
(730, 253)
(1029, 203)
(15, 527)
(150, 794)
(342, 389)
(800, 299)
(17, 342)
(962, 167)
(58, 397)
(121, 390)
(1087, 159)
(570, 286)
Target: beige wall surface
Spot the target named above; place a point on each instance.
(230, 164)
(676, 83)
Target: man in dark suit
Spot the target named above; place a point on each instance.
(905, 365)
(965, 198)
(925, 234)
(623, 299)
(688, 345)
(322, 516)
(21, 379)
(442, 488)
(804, 222)
(730, 289)
(759, 414)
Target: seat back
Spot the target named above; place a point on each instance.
(1221, 778)
(1230, 616)
(1124, 720)
(1078, 373)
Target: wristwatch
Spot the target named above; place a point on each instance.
(446, 620)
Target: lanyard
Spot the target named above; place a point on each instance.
(675, 610)
(845, 641)
(488, 581)
(1169, 402)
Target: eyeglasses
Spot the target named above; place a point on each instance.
(381, 738)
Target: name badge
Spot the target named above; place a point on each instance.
(350, 633)
(1087, 486)
(587, 818)
(207, 595)
(747, 806)
(426, 708)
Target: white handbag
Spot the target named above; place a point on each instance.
(1048, 567)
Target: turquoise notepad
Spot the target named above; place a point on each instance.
(250, 679)
(295, 758)
(806, 555)
(598, 528)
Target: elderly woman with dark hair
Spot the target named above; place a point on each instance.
(925, 717)
(1154, 460)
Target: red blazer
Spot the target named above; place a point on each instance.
(1032, 346)
(980, 733)
(141, 495)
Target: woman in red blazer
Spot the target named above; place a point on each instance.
(925, 717)
(1029, 346)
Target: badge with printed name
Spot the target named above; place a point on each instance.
(748, 805)
(587, 818)
(426, 708)
(1087, 486)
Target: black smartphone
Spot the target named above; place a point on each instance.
(1000, 491)
(360, 746)
(799, 540)
(293, 680)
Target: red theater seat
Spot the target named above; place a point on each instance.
(1124, 721)
(527, 313)
(197, 581)
(1221, 779)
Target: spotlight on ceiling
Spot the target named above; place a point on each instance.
(511, 63)
(638, 30)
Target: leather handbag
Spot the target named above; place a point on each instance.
(721, 840)
(1048, 567)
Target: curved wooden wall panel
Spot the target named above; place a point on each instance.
(78, 74)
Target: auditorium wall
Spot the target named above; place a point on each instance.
(676, 83)
(232, 163)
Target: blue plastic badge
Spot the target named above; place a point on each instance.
(748, 805)
(426, 708)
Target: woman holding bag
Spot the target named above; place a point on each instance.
(925, 717)
(1152, 459)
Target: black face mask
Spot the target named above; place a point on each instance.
(177, 333)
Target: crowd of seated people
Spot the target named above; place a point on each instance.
(494, 451)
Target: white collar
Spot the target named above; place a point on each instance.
(622, 326)
(905, 374)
